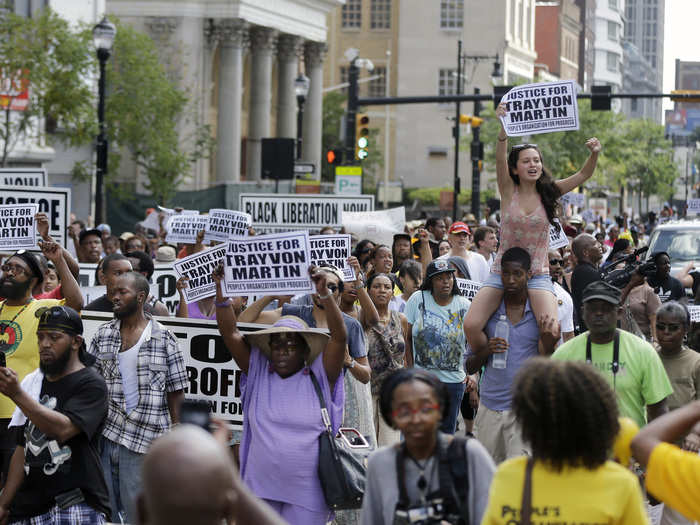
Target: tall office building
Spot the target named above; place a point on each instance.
(608, 27)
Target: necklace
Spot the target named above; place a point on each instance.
(423, 483)
(5, 324)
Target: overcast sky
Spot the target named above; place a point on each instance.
(681, 39)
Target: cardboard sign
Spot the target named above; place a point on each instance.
(332, 249)
(694, 313)
(23, 177)
(589, 216)
(468, 288)
(184, 228)
(275, 264)
(574, 198)
(557, 237)
(378, 226)
(17, 227)
(198, 267)
(226, 224)
(153, 220)
(694, 206)
(541, 108)
(54, 202)
(294, 212)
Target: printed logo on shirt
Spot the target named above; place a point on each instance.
(606, 367)
(10, 337)
(513, 515)
(41, 452)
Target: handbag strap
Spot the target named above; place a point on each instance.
(526, 505)
(324, 411)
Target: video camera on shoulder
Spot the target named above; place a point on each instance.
(621, 277)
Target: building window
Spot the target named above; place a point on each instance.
(377, 87)
(613, 62)
(352, 14)
(343, 76)
(447, 84)
(451, 14)
(612, 30)
(512, 18)
(612, 4)
(633, 105)
(380, 14)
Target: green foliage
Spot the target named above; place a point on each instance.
(431, 196)
(43, 53)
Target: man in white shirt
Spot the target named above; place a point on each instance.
(565, 305)
(486, 243)
(459, 236)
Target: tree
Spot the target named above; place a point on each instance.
(43, 59)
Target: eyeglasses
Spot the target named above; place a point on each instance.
(406, 413)
(556, 261)
(518, 147)
(13, 269)
(670, 327)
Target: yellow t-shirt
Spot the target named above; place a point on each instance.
(673, 476)
(19, 342)
(609, 494)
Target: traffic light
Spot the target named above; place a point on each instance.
(361, 136)
(468, 119)
(334, 157)
(694, 95)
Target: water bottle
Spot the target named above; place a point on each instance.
(498, 360)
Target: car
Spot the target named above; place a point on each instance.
(681, 239)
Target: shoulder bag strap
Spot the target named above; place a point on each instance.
(459, 467)
(324, 411)
(403, 502)
(526, 505)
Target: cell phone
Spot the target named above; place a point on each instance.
(196, 412)
(3, 360)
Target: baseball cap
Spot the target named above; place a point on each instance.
(166, 254)
(436, 267)
(576, 219)
(603, 291)
(459, 227)
(402, 235)
(61, 319)
(85, 233)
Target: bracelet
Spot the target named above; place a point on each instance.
(327, 296)
(503, 140)
(224, 304)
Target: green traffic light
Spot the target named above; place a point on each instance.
(362, 142)
(362, 154)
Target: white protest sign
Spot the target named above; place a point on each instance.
(17, 226)
(54, 202)
(589, 216)
(694, 206)
(23, 177)
(541, 108)
(152, 221)
(184, 228)
(557, 237)
(378, 226)
(332, 249)
(299, 211)
(274, 264)
(694, 313)
(198, 267)
(225, 224)
(468, 288)
(574, 198)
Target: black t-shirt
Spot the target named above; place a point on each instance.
(583, 275)
(669, 289)
(54, 468)
(101, 304)
(696, 282)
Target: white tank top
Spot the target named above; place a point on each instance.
(128, 361)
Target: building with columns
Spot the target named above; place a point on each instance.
(238, 60)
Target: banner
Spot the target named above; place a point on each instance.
(295, 212)
(184, 228)
(332, 249)
(694, 313)
(225, 224)
(557, 237)
(574, 198)
(694, 206)
(23, 177)
(198, 267)
(468, 288)
(275, 264)
(18, 227)
(541, 108)
(378, 226)
(54, 202)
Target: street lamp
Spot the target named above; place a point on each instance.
(103, 36)
(301, 88)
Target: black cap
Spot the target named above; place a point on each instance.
(402, 236)
(85, 233)
(61, 319)
(32, 262)
(603, 291)
(437, 266)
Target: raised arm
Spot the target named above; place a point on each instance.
(228, 328)
(255, 313)
(684, 275)
(505, 183)
(69, 286)
(570, 183)
(42, 227)
(181, 284)
(334, 354)
(426, 255)
(368, 313)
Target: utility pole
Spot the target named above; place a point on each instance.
(455, 133)
(477, 153)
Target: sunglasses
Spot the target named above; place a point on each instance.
(556, 261)
(671, 327)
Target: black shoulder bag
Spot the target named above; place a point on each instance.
(342, 466)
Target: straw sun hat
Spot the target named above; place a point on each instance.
(315, 338)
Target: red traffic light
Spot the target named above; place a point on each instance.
(334, 156)
(330, 156)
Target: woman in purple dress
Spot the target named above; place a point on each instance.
(282, 422)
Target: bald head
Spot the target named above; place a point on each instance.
(586, 248)
(187, 478)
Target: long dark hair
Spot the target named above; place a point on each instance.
(545, 186)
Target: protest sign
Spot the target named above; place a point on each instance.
(153, 221)
(332, 249)
(184, 228)
(694, 206)
(694, 313)
(541, 108)
(557, 237)
(275, 264)
(225, 224)
(23, 177)
(574, 198)
(294, 212)
(198, 267)
(468, 288)
(378, 226)
(17, 226)
(54, 202)
(589, 216)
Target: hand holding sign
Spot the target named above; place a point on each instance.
(52, 251)
(320, 280)
(42, 225)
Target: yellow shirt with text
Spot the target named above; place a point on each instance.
(609, 494)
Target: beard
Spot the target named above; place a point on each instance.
(58, 366)
(127, 310)
(11, 289)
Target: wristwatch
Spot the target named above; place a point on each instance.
(352, 364)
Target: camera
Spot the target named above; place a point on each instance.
(433, 512)
(621, 277)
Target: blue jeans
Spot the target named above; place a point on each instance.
(122, 469)
(455, 393)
